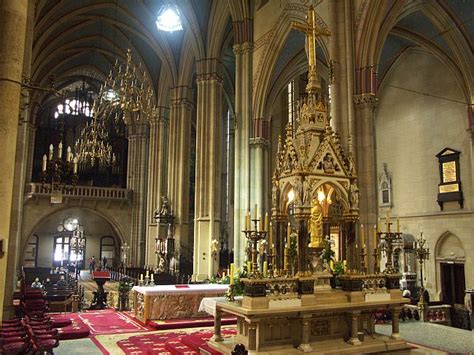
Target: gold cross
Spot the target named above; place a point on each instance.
(312, 32)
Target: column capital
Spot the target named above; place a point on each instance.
(365, 100)
(241, 48)
(257, 142)
(181, 96)
(158, 115)
(209, 69)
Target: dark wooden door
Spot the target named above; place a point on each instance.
(453, 283)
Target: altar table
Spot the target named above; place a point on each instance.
(172, 301)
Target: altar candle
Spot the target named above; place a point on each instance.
(362, 238)
(331, 264)
(231, 274)
(255, 212)
(260, 223)
(265, 268)
(147, 273)
(375, 236)
(345, 265)
(266, 222)
(152, 277)
(270, 233)
(249, 266)
(141, 277)
(398, 225)
(285, 259)
(247, 221)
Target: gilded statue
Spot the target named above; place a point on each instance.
(316, 225)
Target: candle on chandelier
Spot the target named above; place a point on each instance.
(51, 150)
(68, 154)
(45, 161)
(75, 165)
(60, 150)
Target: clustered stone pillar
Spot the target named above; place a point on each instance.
(13, 18)
(259, 145)
(179, 151)
(243, 113)
(209, 152)
(366, 165)
(136, 181)
(156, 175)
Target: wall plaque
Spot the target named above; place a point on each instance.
(449, 188)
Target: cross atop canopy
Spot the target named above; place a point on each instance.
(312, 32)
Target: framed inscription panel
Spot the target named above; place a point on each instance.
(449, 188)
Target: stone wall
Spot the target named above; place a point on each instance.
(420, 112)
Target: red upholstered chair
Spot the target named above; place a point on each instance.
(13, 347)
(42, 343)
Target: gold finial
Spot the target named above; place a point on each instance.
(312, 32)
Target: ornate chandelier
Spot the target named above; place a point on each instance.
(93, 148)
(78, 105)
(125, 93)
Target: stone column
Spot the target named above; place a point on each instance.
(365, 105)
(305, 345)
(354, 330)
(259, 145)
(209, 153)
(179, 161)
(156, 177)
(13, 24)
(395, 323)
(136, 181)
(243, 114)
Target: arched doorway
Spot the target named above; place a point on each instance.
(450, 259)
(54, 232)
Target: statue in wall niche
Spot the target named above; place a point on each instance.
(162, 264)
(165, 207)
(315, 224)
(275, 196)
(328, 163)
(354, 194)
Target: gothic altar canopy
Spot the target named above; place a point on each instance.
(315, 184)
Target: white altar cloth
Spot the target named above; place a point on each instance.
(208, 304)
(180, 289)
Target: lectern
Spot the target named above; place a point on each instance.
(100, 296)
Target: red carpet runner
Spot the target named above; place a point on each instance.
(188, 323)
(172, 343)
(110, 322)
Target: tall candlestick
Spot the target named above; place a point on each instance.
(288, 234)
(231, 274)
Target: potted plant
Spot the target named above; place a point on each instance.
(124, 287)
